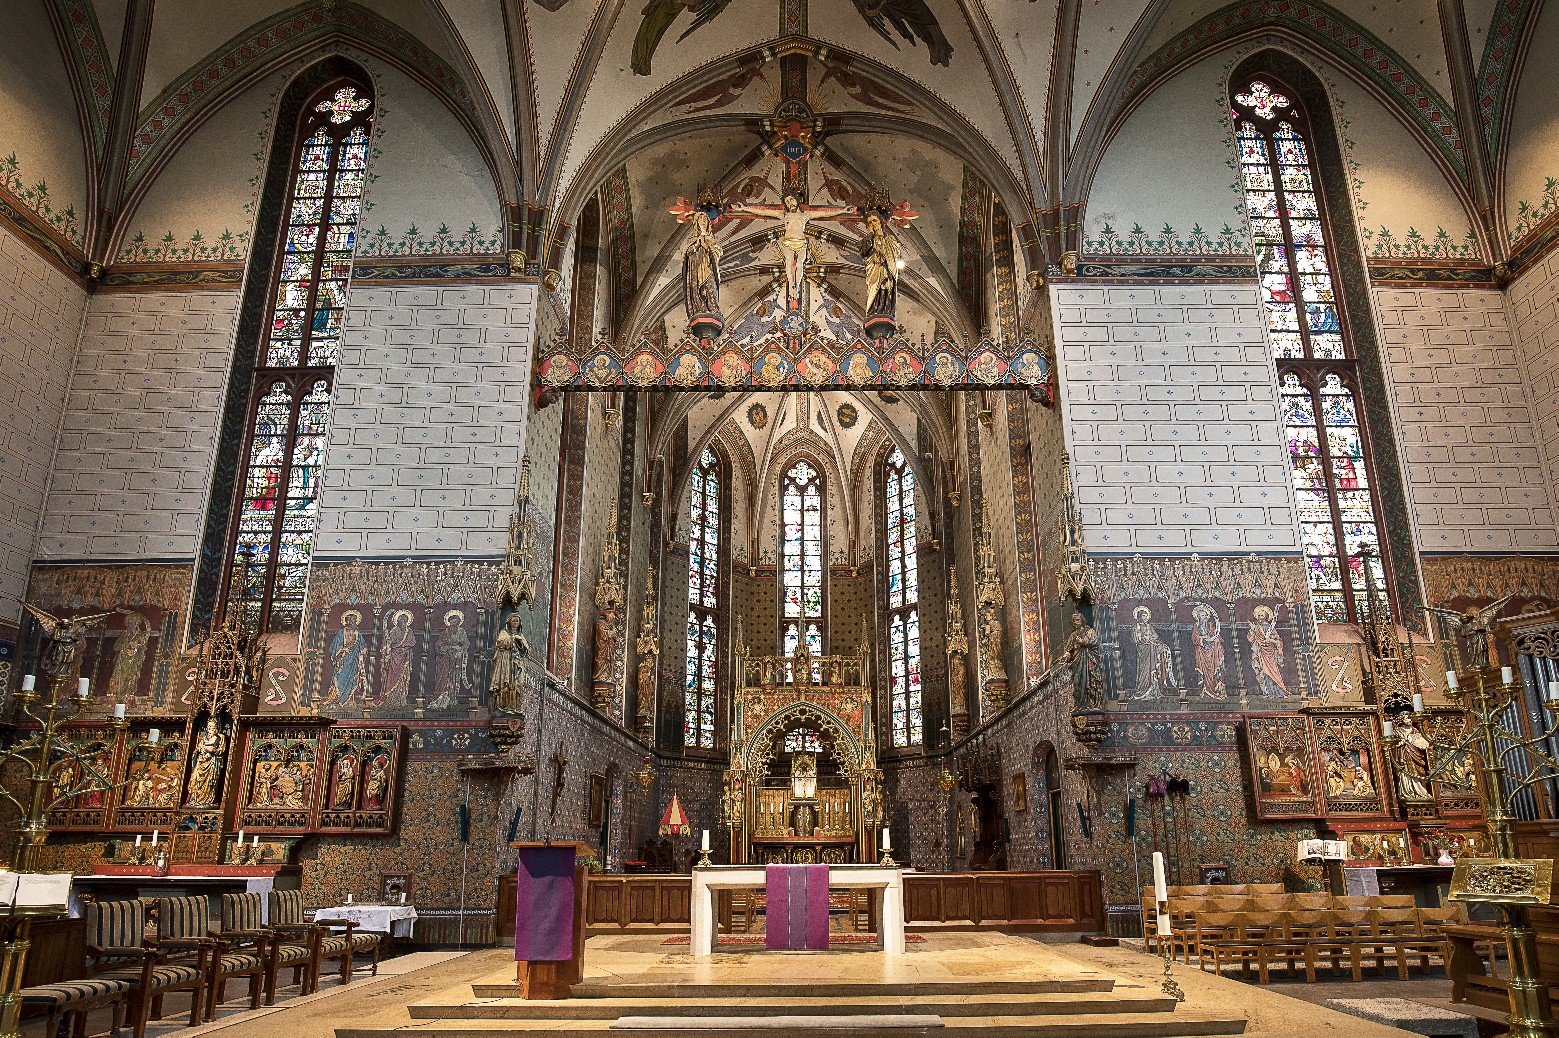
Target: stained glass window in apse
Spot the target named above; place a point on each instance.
(803, 740)
(273, 539)
(701, 692)
(904, 698)
(801, 559)
(1339, 531)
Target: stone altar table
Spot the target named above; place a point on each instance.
(886, 881)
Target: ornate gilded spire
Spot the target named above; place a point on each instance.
(516, 580)
(648, 643)
(988, 587)
(1073, 579)
(957, 639)
(609, 586)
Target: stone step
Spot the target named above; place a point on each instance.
(1065, 1004)
(1112, 1025)
(843, 989)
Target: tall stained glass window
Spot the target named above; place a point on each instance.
(1317, 373)
(801, 559)
(898, 489)
(273, 539)
(703, 597)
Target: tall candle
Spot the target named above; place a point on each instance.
(156, 834)
(256, 841)
(137, 839)
(154, 735)
(84, 688)
(240, 837)
(29, 682)
(1450, 679)
(887, 840)
(349, 899)
(1418, 702)
(1553, 689)
(1160, 893)
(119, 711)
(1390, 729)
(705, 847)
(1507, 676)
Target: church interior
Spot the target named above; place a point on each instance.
(936, 513)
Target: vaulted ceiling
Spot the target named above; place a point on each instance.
(560, 94)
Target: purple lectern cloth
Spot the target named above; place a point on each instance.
(795, 914)
(544, 905)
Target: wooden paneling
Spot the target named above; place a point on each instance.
(1031, 901)
(645, 904)
(58, 952)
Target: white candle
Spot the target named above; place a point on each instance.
(137, 839)
(349, 899)
(705, 846)
(156, 835)
(84, 688)
(403, 897)
(256, 841)
(119, 711)
(29, 682)
(1160, 893)
(887, 840)
(1553, 689)
(154, 735)
(1506, 675)
(240, 837)
(1390, 728)
(1418, 702)
(1450, 679)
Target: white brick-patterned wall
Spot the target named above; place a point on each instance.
(1475, 472)
(1532, 302)
(1170, 408)
(40, 321)
(133, 469)
(429, 421)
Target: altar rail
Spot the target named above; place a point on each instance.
(1013, 901)
(1027, 902)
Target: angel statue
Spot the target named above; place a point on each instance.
(1473, 627)
(64, 635)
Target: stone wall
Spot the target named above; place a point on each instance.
(40, 320)
(1475, 471)
(1533, 304)
(1168, 397)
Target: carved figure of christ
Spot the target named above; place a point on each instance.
(794, 217)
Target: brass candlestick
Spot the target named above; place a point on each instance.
(1505, 880)
(42, 755)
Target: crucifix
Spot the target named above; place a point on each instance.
(559, 766)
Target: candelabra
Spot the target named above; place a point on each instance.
(1506, 880)
(54, 771)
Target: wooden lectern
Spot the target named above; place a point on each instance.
(549, 938)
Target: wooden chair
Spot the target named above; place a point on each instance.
(1406, 926)
(1377, 937)
(71, 1001)
(116, 933)
(286, 913)
(242, 921)
(188, 919)
(1227, 938)
(1330, 941)
(364, 944)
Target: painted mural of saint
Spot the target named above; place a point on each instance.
(1207, 648)
(1154, 676)
(395, 659)
(451, 658)
(1266, 646)
(124, 681)
(347, 680)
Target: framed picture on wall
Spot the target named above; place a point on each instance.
(596, 813)
(1282, 769)
(1020, 793)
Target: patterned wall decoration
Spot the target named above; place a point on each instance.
(1023, 463)
(571, 482)
(58, 215)
(617, 211)
(362, 777)
(397, 639)
(1463, 580)
(1208, 632)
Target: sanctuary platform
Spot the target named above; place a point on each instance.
(974, 984)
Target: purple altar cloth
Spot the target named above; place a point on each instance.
(795, 914)
(544, 905)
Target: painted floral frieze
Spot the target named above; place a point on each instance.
(1226, 241)
(61, 219)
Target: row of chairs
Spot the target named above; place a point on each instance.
(132, 966)
(1357, 938)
